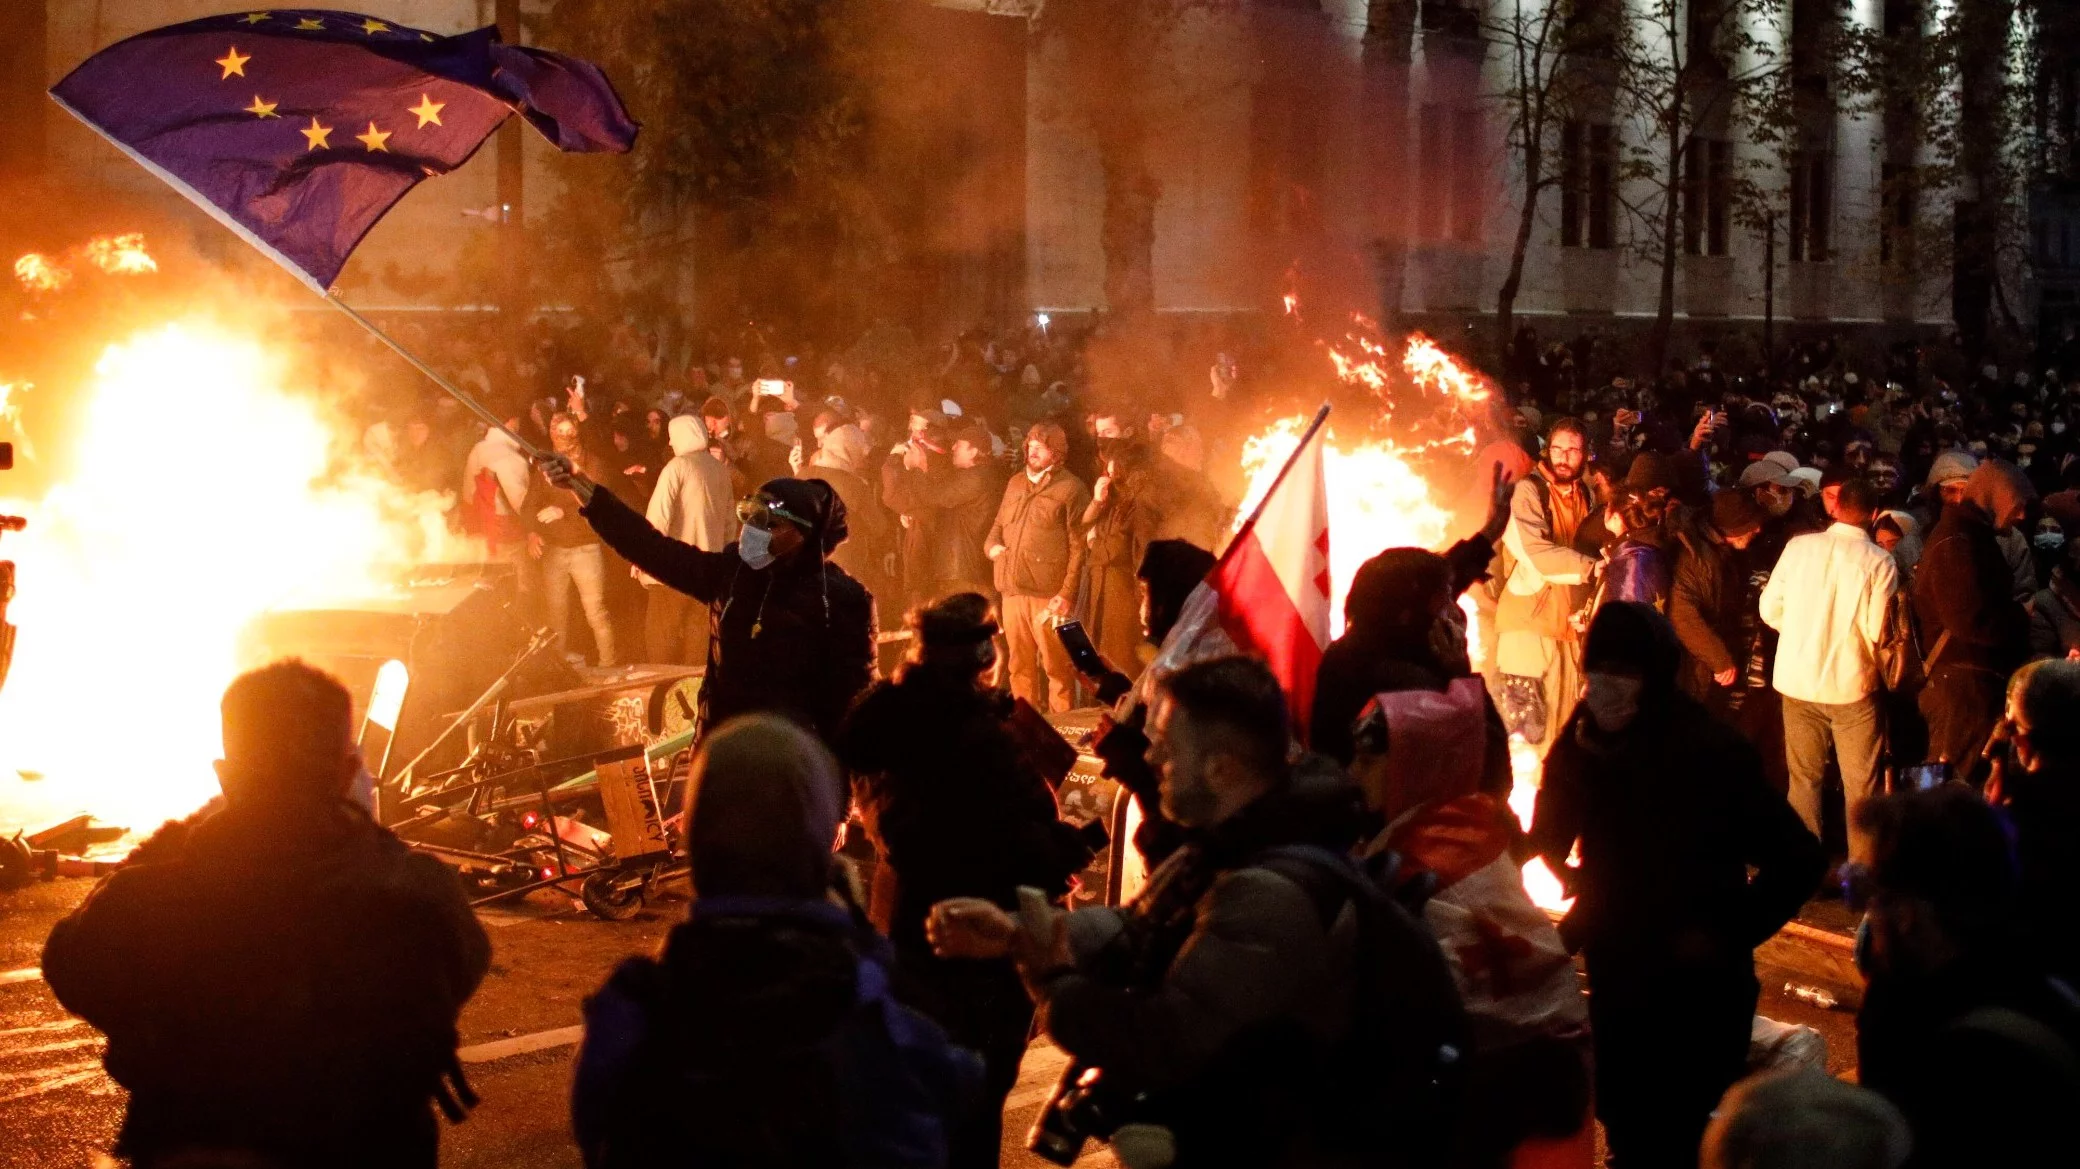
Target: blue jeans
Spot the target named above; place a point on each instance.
(584, 567)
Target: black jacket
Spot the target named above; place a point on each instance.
(796, 638)
(284, 988)
(1706, 607)
(952, 800)
(1670, 815)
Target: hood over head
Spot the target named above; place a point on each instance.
(1390, 592)
(845, 448)
(1631, 638)
(816, 501)
(687, 434)
(1172, 569)
(1997, 488)
(1951, 464)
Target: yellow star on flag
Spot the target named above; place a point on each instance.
(234, 65)
(310, 24)
(318, 135)
(428, 111)
(372, 27)
(262, 109)
(257, 17)
(374, 139)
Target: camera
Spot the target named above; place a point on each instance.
(1083, 1106)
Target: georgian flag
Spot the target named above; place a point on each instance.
(1269, 593)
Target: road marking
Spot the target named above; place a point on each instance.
(498, 919)
(10, 977)
(60, 1070)
(67, 1045)
(521, 1045)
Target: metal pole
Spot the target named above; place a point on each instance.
(476, 407)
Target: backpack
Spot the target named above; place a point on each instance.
(1393, 1089)
(1902, 668)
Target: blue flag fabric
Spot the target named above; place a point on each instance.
(299, 129)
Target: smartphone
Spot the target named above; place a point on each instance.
(771, 387)
(1082, 654)
(1924, 777)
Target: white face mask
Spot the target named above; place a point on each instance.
(1613, 701)
(756, 547)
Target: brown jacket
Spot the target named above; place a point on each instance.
(1041, 529)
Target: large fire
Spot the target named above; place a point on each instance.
(1379, 499)
(117, 255)
(207, 486)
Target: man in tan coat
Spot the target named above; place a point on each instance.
(1038, 547)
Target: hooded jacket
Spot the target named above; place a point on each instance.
(692, 502)
(1964, 586)
(956, 807)
(1670, 814)
(838, 461)
(795, 637)
(284, 983)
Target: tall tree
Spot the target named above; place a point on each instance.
(752, 162)
(1552, 52)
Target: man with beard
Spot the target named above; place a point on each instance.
(570, 553)
(1122, 520)
(1037, 543)
(1546, 582)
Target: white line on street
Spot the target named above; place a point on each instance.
(10, 977)
(521, 1045)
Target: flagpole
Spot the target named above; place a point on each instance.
(476, 407)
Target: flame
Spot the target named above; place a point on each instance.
(1380, 499)
(206, 490)
(120, 255)
(40, 273)
(1292, 304)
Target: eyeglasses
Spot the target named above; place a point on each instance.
(760, 512)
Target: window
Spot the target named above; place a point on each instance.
(1450, 141)
(1434, 210)
(1588, 181)
(1812, 205)
(1466, 175)
(1897, 198)
(1707, 194)
(1588, 184)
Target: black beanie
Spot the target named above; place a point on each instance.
(1391, 585)
(815, 501)
(1631, 638)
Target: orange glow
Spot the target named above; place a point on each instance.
(1379, 499)
(207, 487)
(120, 255)
(40, 273)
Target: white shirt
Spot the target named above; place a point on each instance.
(1827, 599)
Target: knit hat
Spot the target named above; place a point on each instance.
(961, 619)
(763, 804)
(1630, 638)
(1391, 587)
(715, 407)
(1951, 464)
(1735, 514)
(816, 501)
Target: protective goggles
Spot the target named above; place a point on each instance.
(760, 512)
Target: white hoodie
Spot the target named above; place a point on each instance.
(692, 501)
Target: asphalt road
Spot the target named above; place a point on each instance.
(58, 1111)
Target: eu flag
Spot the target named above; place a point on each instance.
(300, 129)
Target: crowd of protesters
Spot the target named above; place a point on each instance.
(1704, 600)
